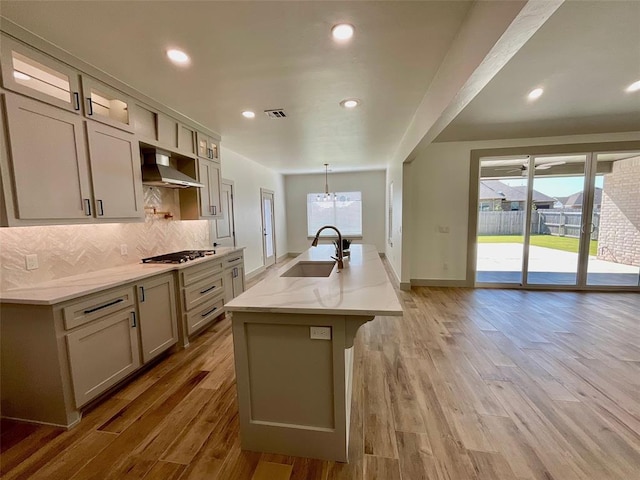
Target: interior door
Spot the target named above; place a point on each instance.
(268, 228)
(225, 226)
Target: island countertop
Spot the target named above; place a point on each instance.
(361, 288)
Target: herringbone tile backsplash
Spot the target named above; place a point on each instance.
(65, 250)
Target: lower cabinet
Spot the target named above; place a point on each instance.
(233, 277)
(102, 353)
(158, 318)
(68, 354)
(201, 296)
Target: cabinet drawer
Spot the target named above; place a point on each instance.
(201, 292)
(96, 307)
(204, 314)
(198, 273)
(233, 260)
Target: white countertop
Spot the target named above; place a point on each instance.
(68, 288)
(361, 288)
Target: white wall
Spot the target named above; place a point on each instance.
(393, 250)
(370, 183)
(439, 196)
(249, 177)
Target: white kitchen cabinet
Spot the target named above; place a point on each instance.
(47, 162)
(106, 104)
(102, 353)
(158, 317)
(31, 73)
(115, 173)
(209, 176)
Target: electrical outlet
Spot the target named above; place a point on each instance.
(443, 228)
(320, 333)
(124, 250)
(31, 261)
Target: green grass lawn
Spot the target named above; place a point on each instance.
(559, 243)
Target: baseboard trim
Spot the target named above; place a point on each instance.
(282, 257)
(255, 273)
(405, 286)
(417, 282)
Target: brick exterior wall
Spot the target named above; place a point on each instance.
(619, 236)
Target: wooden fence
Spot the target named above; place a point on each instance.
(561, 223)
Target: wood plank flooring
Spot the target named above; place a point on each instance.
(468, 385)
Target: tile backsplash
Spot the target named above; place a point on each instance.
(65, 250)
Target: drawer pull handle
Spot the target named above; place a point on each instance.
(133, 320)
(100, 208)
(202, 292)
(209, 312)
(87, 207)
(109, 304)
(142, 294)
(76, 101)
(90, 105)
(233, 259)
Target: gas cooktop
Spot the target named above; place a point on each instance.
(179, 257)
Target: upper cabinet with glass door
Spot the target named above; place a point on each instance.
(31, 73)
(208, 147)
(106, 104)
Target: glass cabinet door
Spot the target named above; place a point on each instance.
(39, 76)
(106, 104)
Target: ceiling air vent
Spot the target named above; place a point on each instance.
(277, 113)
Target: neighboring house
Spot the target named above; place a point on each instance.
(575, 200)
(497, 195)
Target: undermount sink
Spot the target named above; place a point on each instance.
(310, 269)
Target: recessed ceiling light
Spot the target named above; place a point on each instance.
(350, 103)
(634, 87)
(20, 75)
(178, 56)
(535, 94)
(248, 114)
(342, 31)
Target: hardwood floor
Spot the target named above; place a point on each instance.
(468, 385)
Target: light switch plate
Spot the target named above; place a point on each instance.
(320, 333)
(123, 249)
(31, 261)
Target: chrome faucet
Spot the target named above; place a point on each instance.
(339, 250)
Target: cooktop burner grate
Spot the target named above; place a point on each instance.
(178, 257)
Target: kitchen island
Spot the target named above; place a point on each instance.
(293, 342)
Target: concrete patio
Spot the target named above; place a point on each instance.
(502, 263)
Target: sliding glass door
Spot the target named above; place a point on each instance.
(557, 203)
(570, 220)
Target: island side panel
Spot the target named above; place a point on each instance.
(293, 391)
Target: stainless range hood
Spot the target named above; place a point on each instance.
(158, 172)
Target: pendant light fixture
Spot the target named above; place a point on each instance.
(327, 196)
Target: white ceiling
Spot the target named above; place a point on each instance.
(262, 55)
(584, 57)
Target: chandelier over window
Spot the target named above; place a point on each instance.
(327, 196)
